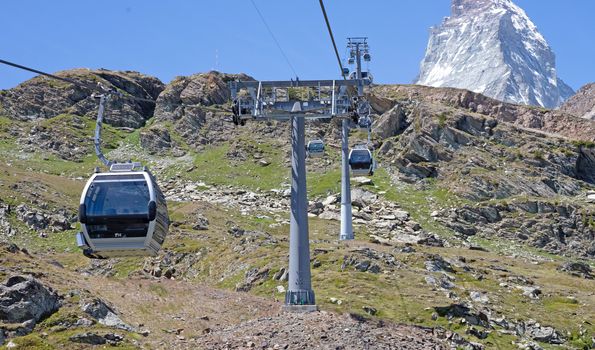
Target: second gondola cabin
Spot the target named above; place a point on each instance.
(315, 148)
(361, 162)
(122, 213)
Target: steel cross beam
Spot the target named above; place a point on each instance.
(261, 99)
(293, 83)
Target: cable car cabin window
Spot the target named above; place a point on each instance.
(117, 209)
(316, 147)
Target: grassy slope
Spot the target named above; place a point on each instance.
(400, 294)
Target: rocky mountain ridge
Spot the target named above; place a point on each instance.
(492, 47)
(582, 104)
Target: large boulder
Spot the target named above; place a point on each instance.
(204, 89)
(104, 314)
(24, 299)
(579, 269)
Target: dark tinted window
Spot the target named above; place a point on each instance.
(117, 198)
(360, 157)
(316, 146)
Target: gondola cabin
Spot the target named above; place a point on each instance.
(361, 162)
(365, 76)
(315, 148)
(122, 213)
(364, 122)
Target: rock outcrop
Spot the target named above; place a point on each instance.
(156, 139)
(44, 98)
(24, 301)
(104, 314)
(492, 47)
(582, 104)
(196, 92)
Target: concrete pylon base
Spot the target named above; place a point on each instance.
(300, 308)
(300, 297)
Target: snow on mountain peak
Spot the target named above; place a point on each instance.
(493, 47)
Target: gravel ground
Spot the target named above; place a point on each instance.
(323, 330)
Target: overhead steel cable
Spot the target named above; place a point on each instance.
(79, 84)
(330, 32)
(274, 38)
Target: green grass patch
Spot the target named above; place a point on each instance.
(159, 290)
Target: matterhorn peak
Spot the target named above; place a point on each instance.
(493, 47)
(460, 7)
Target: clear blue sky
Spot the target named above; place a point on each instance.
(171, 38)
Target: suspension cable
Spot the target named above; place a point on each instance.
(330, 32)
(79, 84)
(274, 38)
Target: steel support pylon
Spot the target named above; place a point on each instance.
(346, 217)
(299, 295)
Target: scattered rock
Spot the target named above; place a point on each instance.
(370, 310)
(236, 231)
(481, 334)
(253, 276)
(479, 297)
(281, 275)
(104, 314)
(39, 220)
(436, 263)
(24, 299)
(530, 291)
(113, 338)
(361, 198)
(201, 223)
(368, 260)
(408, 249)
(362, 180)
(88, 338)
(336, 301)
(330, 215)
(537, 332)
(578, 269)
(442, 282)
(462, 311)
(326, 330)
(329, 200)
(401, 215)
